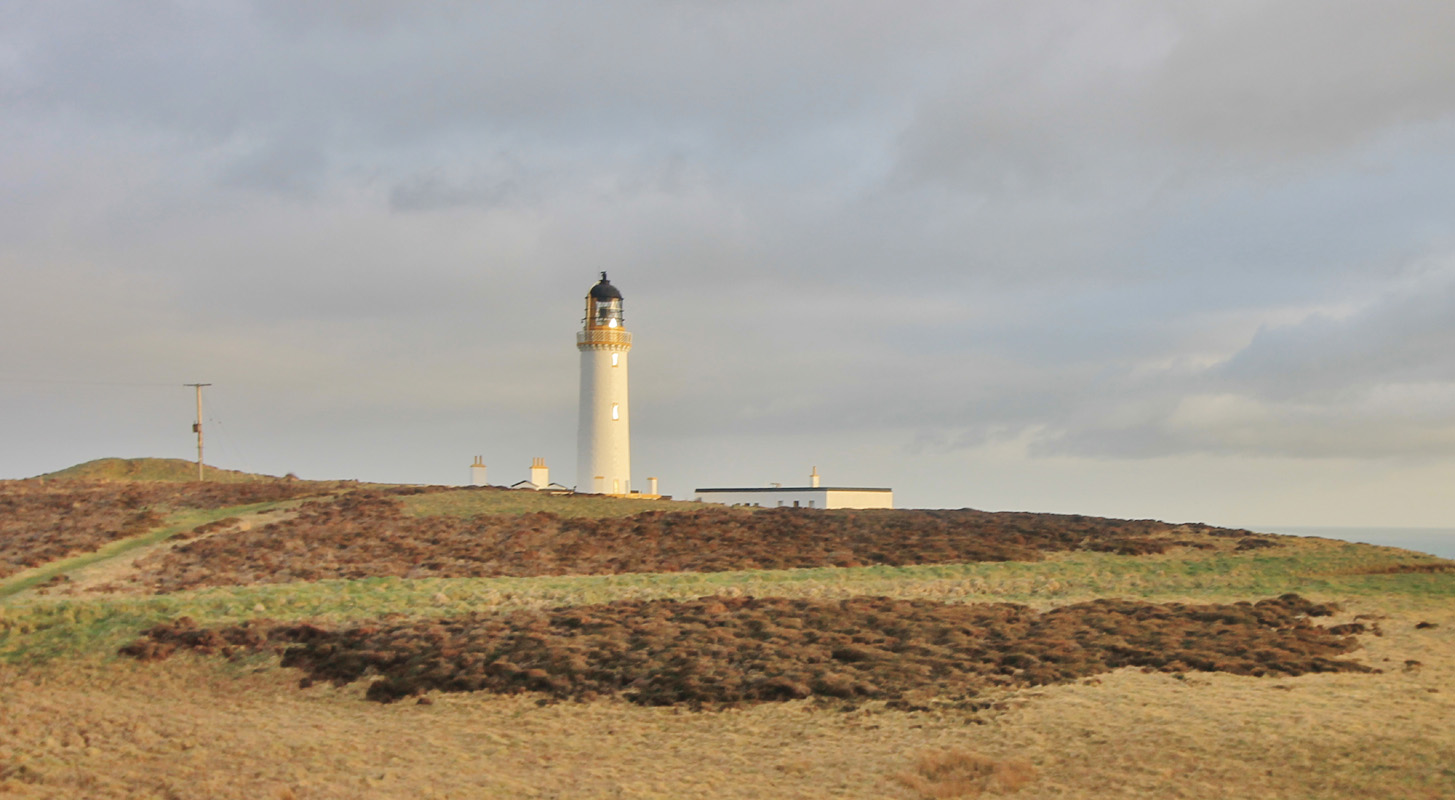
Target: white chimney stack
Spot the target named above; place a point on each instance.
(477, 472)
(651, 486)
(539, 474)
(813, 478)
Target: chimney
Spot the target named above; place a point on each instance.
(539, 474)
(813, 478)
(477, 472)
(651, 486)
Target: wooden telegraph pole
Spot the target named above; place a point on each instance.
(197, 426)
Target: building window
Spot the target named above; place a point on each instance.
(615, 359)
(810, 504)
(780, 503)
(795, 504)
(616, 411)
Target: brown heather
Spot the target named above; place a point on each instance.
(368, 534)
(923, 688)
(717, 652)
(45, 521)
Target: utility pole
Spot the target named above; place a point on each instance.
(197, 426)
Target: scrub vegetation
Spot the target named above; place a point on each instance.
(675, 650)
(42, 521)
(716, 652)
(151, 470)
(367, 534)
(474, 501)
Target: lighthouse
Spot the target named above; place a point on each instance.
(603, 439)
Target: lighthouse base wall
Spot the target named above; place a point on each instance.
(603, 464)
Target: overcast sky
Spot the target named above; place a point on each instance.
(1191, 261)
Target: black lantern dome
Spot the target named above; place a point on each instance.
(604, 290)
(603, 306)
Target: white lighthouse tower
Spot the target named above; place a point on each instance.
(603, 443)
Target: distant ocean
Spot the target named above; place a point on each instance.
(1436, 541)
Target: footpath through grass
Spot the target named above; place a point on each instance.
(175, 523)
(38, 628)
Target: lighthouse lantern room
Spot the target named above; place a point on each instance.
(603, 460)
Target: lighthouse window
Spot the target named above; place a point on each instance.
(615, 411)
(615, 359)
(608, 314)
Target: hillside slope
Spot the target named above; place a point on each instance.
(825, 658)
(150, 469)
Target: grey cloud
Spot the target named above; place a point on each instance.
(286, 166)
(1374, 383)
(395, 76)
(433, 193)
(1108, 84)
(958, 227)
(1103, 376)
(1404, 337)
(1130, 100)
(1298, 79)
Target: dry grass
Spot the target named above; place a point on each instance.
(173, 470)
(195, 728)
(112, 573)
(475, 501)
(34, 627)
(76, 723)
(961, 773)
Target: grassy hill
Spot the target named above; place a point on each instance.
(918, 680)
(150, 469)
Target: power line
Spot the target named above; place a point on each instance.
(228, 443)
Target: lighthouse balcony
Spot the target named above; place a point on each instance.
(603, 337)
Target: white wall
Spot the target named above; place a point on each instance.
(603, 441)
(853, 498)
(806, 498)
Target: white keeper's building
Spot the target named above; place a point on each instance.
(811, 496)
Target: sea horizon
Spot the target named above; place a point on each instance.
(1435, 541)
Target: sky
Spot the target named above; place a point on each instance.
(1184, 261)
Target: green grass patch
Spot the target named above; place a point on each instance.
(473, 502)
(38, 628)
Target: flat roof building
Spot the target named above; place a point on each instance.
(811, 496)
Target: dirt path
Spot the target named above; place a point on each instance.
(118, 574)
